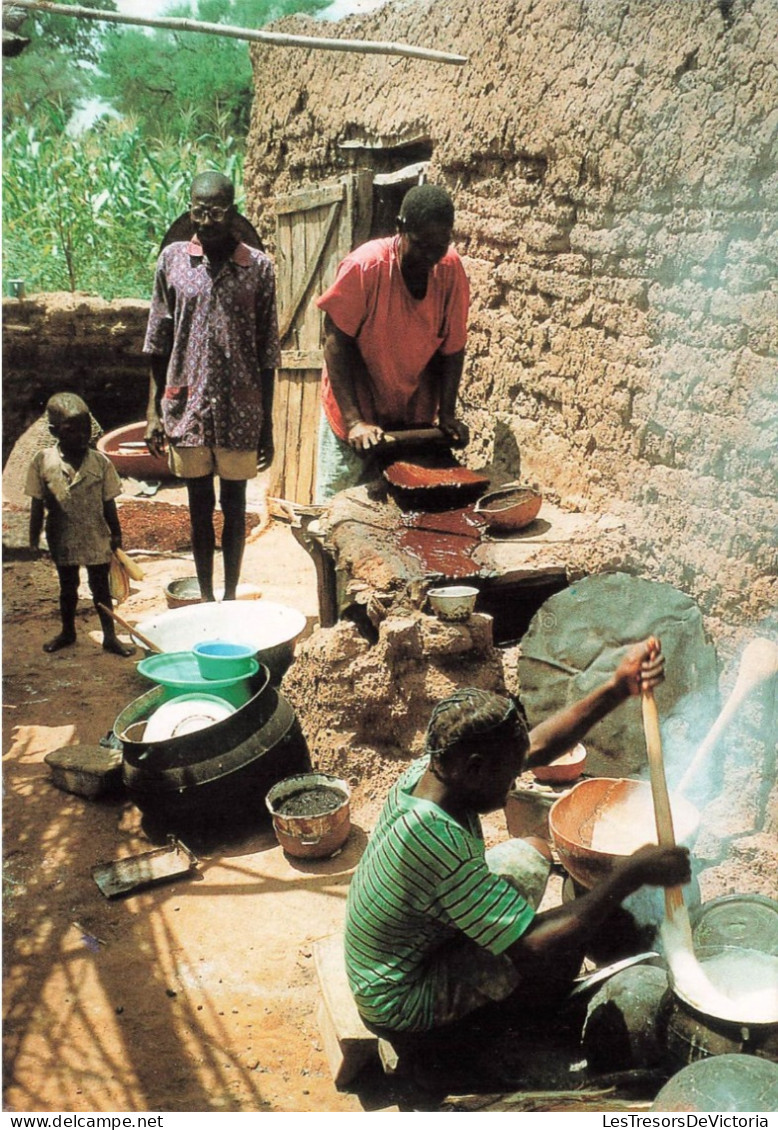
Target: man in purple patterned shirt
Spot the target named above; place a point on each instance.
(213, 340)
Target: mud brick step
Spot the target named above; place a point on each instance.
(348, 1044)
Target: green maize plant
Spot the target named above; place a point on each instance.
(88, 213)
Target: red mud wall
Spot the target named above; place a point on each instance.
(73, 343)
(613, 164)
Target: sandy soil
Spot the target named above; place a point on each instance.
(199, 995)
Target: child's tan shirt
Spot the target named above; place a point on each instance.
(76, 530)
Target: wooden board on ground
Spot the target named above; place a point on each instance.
(348, 1044)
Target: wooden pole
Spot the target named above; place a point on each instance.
(675, 907)
(361, 46)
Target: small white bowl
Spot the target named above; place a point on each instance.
(453, 602)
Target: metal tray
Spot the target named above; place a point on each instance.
(120, 876)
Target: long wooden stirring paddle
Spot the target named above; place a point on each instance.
(687, 973)
(675, 907)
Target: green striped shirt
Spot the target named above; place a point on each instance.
(422, 881)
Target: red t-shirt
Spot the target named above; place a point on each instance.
(396, 333)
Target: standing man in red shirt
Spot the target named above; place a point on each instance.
(213, 340)
(395, 331)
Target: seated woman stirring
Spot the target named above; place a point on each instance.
(436, 927)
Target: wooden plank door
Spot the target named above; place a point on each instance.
(315, 228)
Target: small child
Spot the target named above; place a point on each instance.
(74, 487)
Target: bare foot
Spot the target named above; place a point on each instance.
(60, 641)
(116, 647)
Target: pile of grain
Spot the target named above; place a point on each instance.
(163, 527)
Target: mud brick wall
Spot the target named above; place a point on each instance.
(615, 172)
(73, 343)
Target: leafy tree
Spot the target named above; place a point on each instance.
(56, 68)
(88, 212)
(164, 77)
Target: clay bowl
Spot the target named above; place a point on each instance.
(127, 451)
(511, 507)
(568, 767)
(602, 820)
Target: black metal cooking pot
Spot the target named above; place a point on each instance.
(220, 773)
(692, 1034)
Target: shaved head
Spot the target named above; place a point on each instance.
(213, 184)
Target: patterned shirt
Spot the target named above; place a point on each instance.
(218, 331)
(422, 881)
(397, 334)
(76, 530)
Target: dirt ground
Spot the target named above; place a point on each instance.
(198, 995)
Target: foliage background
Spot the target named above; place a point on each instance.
(87, 211)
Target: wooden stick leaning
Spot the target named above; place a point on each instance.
(133, 631)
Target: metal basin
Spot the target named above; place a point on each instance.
(315, 834)
(763, 977)
(691, 1034)
(270, 629)
(217, 773)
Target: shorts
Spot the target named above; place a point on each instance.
(197, 462)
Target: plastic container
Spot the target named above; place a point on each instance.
(218, 659)
(179, 671)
